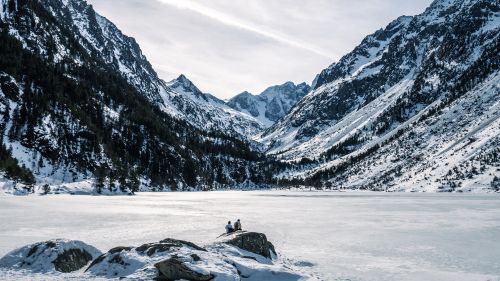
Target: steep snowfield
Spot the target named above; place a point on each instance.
(430, 155)
(340, 236)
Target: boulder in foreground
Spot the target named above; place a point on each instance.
(175, 269)
(53, 255)
(253, 242)
(125, 261)
(240, 256)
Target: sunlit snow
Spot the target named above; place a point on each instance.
(340, 236)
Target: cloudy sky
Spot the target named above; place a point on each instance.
(229, 46)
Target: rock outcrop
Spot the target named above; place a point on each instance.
(72, 260)
(168, 259)
(241, 255)
(175, 269)
(54, 255)
(253, 242)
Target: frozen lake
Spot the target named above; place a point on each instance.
(346, 236)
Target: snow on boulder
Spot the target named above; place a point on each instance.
(172, 259)
(53, 255)
(251, 241)
(151, 260)
(169, 259)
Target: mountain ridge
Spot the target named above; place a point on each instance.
(413, 107)
(385, 91)
(272, 104)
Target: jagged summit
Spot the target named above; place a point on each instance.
(184, 82)
(183, 85)
(272, 104)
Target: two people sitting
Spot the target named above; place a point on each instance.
(230, 228)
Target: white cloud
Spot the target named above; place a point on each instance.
(235, 22)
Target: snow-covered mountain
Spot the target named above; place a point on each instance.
(272, 104)
(76, 23)
(206, 111)
(415, 105)
(98, 37)
(79, 102)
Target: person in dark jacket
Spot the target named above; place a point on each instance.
(237, 225)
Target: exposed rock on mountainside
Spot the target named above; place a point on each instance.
(414, 106)
(210, 112)
(272, 104)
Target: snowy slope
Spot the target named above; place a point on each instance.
(210, 112)
(377, 117)
(272, 104)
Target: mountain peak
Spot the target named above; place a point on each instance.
(183, 85)
(182, 78)
(244, 93)
(272, 104)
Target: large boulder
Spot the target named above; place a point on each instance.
(253, 242)
(54, 255)
(175, 269)
(130, 261)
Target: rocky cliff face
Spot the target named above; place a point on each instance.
(62, 30)
(414, 105)
(272, 104)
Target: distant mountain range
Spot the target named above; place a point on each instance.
(414, 107)
(245, 114)
(272, 104)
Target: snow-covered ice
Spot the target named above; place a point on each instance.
(340, 236)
